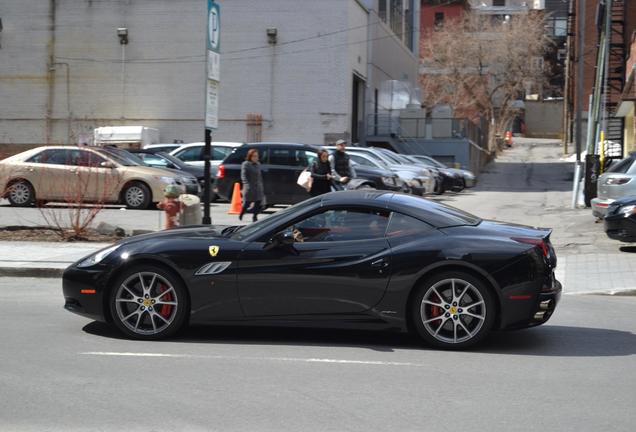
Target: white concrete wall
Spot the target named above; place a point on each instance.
(301, 88)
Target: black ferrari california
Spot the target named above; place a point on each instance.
(357, 259)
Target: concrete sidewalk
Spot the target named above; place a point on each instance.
(41, 259)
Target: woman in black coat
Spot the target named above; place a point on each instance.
(252, 179)
(321, 174)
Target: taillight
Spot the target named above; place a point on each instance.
(536, 242)
(221, 172)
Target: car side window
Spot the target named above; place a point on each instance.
(53, 157)
(342, 225)
(311, 157)
(191, 154)
(281, 156)
(219, 153)
(402, 225)
(89, 159)
(360, 160)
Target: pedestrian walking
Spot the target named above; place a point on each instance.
(340, 162)
(321, 174)
(252, 179)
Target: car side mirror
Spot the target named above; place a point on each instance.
(281, 239)
(107, 164)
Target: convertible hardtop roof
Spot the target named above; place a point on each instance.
(434, 213)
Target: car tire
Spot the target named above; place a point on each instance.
(453, 321)
(21, 194)
(133, 301)
(439, 188)
(136, 196)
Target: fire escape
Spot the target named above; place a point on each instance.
(615, 79)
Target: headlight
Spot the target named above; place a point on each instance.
(627, 210)
(388, 180)
(617, 180)
(96, 258)
(167, 180)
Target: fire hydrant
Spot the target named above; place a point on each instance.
(171, 206)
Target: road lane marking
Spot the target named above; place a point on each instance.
(280, 359)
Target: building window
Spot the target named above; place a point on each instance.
(382, 10)
(498, 2)
(397, 16)
(439, 20)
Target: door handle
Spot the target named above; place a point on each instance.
(380, 263)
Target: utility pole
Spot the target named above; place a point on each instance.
(580, 52)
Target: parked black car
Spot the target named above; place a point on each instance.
(365, 259)
(281, 164)
(165, 160)
(620, 219)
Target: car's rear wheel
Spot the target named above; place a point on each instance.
(136, 196)
(147, 302)
(21, 194)
(453, 310)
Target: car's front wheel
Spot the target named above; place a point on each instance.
(453, 310)
(148, 302)
(21, 194)
(136, 196)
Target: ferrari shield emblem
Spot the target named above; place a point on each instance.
(214, 250)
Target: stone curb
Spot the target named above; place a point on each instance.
(36, 272)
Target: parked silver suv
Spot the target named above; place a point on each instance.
(619, 181)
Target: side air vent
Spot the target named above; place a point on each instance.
(213, 268)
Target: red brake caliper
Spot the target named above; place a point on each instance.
(435, 310)
(165, 309)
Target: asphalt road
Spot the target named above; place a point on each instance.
(63, 372)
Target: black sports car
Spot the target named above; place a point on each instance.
(620, 220)
(364, 259)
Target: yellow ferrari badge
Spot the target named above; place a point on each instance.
(214, 250)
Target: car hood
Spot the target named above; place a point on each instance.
(151, 171)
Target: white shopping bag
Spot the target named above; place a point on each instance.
(305, 180)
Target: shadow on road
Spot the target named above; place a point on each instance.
(545, 341)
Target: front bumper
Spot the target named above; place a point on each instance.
(84, 292)
(470, 182)
(599, 206)
(621, 228)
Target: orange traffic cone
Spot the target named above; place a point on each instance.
(236, 204)
(508, 138)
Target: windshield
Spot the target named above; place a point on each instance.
(119, 158)
(265, 224)
(175, 161)
(434, 162)
(391, 157)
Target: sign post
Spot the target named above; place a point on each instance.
(212, 78)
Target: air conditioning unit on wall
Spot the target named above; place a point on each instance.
(538, 4)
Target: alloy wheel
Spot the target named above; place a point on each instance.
(135, 196)
(453, 311)
(20, 193)
(146, 303)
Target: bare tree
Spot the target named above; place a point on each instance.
(480, 66)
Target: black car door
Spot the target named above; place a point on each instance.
(339, 264)
(284, 166)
